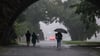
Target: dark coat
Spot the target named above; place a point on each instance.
(34, 38)
(28, 36)
(58, 36)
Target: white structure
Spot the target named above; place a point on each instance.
(48, 30)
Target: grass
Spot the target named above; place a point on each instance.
(82, 43)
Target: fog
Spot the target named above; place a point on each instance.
(96, 39)
(48, 30)
(64, 0)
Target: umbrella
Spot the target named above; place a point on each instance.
(60, 30)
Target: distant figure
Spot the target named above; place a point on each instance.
(58, 38)
(41, 35)
(38, 38)
(28, 35)
(34, 39)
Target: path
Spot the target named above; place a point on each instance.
(49, 49)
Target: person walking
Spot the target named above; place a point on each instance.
(34, 39)
(58, 38)
(41, 35)
(28, 35)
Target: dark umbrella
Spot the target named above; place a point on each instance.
(60, 30)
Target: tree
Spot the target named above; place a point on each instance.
(88, 12)
(50, 10)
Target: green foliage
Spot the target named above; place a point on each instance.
(81, 25)
(21, 18)
(88, 11)
(21, 28)
(82, 43)
(44, 10)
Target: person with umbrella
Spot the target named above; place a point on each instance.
(59, 36)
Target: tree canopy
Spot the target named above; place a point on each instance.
(80, 20)
(89, 11)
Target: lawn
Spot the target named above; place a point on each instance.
(82, 43)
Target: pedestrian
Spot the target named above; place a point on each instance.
(28, 35)
(34, 39)
(41, 35)
(58, 38)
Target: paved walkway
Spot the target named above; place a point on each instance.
(47, 48)
(47, 44)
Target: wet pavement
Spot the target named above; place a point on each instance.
(48, 48)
